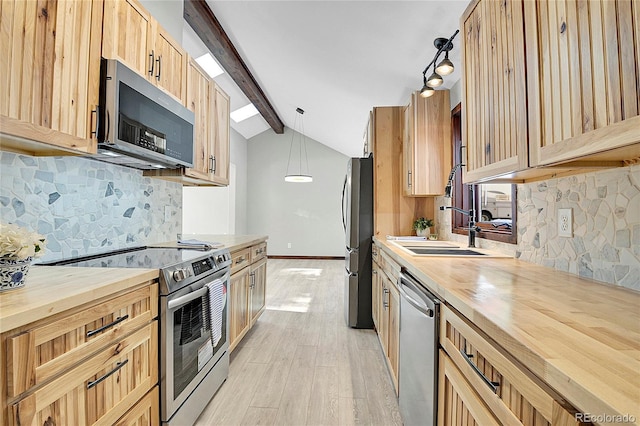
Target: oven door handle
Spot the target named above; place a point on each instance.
(179, 301)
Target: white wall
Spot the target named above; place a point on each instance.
(219, 210)
(307, 215)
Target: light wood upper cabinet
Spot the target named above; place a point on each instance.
(50, 61)
(134, 37)
(549, 86)
(199, 101)
(220, 159)
(494, 117)
(583, 80)
(426, 148)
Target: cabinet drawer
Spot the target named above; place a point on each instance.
(390, 267)
(240, 259)
(514, 396)
(258, 251)
(458, 403)
(145, 412)
(43, 352)
(98, 391)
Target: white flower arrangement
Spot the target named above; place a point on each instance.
(19, 243)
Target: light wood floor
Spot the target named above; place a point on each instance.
(301, 364)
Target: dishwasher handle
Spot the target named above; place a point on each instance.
(427, 311)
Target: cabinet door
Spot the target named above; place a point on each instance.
(198, 101)
(170, 68)
(393, 350)
(239, 306)
(458, 404)
(221, 137)
(50, 65)
(494, 122)
(258, 289)
(376, 295)
(583, 79)
(98, 390)
(127, 32)
(383, 331)
(427, 144)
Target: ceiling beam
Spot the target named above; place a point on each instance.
(200, 17)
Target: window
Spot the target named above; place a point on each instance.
(497, 213)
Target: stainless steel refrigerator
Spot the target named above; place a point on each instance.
(357, 219)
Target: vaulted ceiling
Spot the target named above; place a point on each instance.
(334, 59)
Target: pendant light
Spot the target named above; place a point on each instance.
(444, 67)
(299, 177)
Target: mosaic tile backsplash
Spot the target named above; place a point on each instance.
(606, 225)
(84, 206)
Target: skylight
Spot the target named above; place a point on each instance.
(210, 65)
(243, 113)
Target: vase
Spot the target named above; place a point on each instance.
(423, 232)
(13, 272)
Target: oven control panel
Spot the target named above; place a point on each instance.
(202, 266)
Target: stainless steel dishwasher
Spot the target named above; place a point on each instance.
(418, 378)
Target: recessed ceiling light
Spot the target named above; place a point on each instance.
(243, 113)
(210, 65)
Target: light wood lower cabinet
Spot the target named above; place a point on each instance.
(477, 376)
(89, 365)
(258, 287)
(248, 290)
(239, 307)
(386, 310)
(98, 391)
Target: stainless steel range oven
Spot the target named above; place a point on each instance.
(193, 322)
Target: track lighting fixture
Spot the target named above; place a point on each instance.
(444, 67)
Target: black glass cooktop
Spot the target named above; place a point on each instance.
(143, 257)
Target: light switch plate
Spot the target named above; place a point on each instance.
(565, 223)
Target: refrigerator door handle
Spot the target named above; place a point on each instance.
(344, 190)
(352, 250)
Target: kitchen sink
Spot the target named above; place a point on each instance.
(441, 248)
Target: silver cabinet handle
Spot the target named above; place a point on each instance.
(107, 326)
(492, 385)
(211, 169)
(374, 272)
(152, 61)
(159, 62)
(240, 260)
(96, 112)
(118, 367)
(409, 179)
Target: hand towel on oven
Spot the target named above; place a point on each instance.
(217, 300)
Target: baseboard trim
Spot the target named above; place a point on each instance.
(308, 257)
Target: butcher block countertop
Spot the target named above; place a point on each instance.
(52, 289)
(232, 242)
(579, 336)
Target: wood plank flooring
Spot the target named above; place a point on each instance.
(301, 364)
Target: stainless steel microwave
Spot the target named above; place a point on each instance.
(139, 125)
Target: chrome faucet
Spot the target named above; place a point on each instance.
(473, 229)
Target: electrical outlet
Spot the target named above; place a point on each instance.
(288, 245)
(565, 223)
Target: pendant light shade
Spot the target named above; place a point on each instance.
(434, 80)
(445, 67)
(426, 91)
(302, 175)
